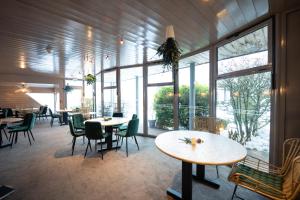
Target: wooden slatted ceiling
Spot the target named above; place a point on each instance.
(76, 28)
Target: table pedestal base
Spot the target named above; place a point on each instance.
(187, 169)
(200, 177)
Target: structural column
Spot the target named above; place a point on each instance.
(176, 97)
(192, 105)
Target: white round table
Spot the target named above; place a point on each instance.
(108, 124)
(215, 150)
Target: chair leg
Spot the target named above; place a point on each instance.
(96, 145)
(127, 146)
(117, 143)
(51, 122)
(217, 168)
(136, 143)
(28, 137)
(90, 146)
(16, 137)
(73, 145)
(87, 146)
(101, 149)
(5, 133)
(122, 141)
(31, 135)
(83, 139)
(234, 191)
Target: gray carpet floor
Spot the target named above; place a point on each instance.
(46, 170)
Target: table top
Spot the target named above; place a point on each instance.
(10, 120)
(64, 110)
(215, 150)
(112, 122)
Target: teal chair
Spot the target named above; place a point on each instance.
(26, 127)
(75, 134)
(78, 122)
(93, 131)
(131, 131)
(123, 127)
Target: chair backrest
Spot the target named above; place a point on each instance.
(50, 112)
(210, 124)
(133, 127)
(29, 120)
(134, 116)
(117, 114)
(32, 121)
(45, 108)
(71, 126)
(291, 149)
(291, 180)
(78, 120)
(41, 109)
(9, 112)
(93, 130)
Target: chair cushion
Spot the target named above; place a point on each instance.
(123, 127)
(18, 128)
(121, 133)
(268, 179)
(79, 133)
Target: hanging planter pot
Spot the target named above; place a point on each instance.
(68, 88)
(169, 50)
(90, 79)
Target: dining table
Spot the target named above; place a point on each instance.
(108, 123)
(209, 149)
(6, 121)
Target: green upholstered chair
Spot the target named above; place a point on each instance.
(54, 116)
(131, 131)
(26, 127)
(124, 126)
(93, 131)
(280, 183)
(78, 121)
(75, 133)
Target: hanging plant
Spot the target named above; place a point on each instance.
(68, 88)
(90, 79)
(169, 50)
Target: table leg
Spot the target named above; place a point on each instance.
(109, 141)
(200, 177)
(186, 184)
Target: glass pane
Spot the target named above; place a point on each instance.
(160, 109)
(98, 95)
(88, 96)
(74, 98)
(244, 104)
(201, 86)
(43, 99)
(110, 101)
(132, 93)
(110, 79)
(246, 52)
(202, 89)
(156, 74)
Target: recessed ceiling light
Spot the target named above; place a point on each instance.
(121, 41)
(222, 13)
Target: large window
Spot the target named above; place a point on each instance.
(132, 93)
(193, 88)
(74, 97)
(244, 93)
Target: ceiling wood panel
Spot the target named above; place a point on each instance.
(75, 29)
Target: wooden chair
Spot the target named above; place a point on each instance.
(208, 124)
(268, 180)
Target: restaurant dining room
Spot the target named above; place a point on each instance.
(149, 99)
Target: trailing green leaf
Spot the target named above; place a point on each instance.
(90, 79)
(170, 52)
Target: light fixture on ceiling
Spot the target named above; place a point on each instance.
(107, 57)
(121, 41)
(88, 58)
(22, 62)
(49, 48)
(22, 88)
(222, 13)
